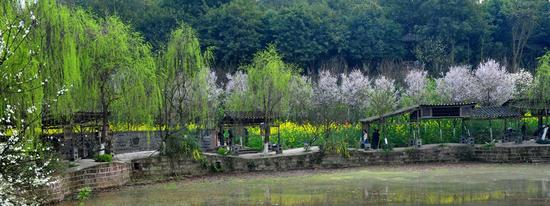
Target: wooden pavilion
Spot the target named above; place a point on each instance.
(463, 112)
(241, 120)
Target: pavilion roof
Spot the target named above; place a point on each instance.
(413, 109)
(495, 112)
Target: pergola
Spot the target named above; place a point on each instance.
(80, 120)
(245, 119)
(463, 112)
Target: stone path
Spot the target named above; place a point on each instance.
(126, 157)
(288, 152)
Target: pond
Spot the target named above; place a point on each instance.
(454, 184)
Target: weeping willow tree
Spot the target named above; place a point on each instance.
(120, 80)
(539, 95)
(183, 79)
(63, 56)
(268, 83)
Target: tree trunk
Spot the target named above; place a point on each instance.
(105, 120)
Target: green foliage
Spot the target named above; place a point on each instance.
(540, 92)
(223, 151)
(352, 33)
(268, 80)
(233, 29)
(336, 145)
(216, 167)
(104, 158)
(183, 78)
(84, 193)
(183, 144)
(489, 145)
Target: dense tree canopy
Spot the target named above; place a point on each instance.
(350, 33)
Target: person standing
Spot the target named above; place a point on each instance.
(375, 139)
(220, 137)
(523, 131)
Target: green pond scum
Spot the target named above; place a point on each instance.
(460, 184)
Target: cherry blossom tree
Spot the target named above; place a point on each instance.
(383, 96)
(458, 85)
(523, 81)
(489, 84)
(301, 89)
(235, 91)
(417, 84)
(327, 107)
(354, 90)
(495, 84)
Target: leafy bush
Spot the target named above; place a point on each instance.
(489, 145)
(104, 158)
(84, 193)
(223, 151)
(183, 144)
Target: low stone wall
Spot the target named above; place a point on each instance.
(513, 154)
(101, 176)
(158, 168)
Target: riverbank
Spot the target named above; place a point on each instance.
(149, 167)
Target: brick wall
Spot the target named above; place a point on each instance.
(101, 176)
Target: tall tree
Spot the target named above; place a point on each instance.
(299, 35)
(233, 30)
(372, 36)
(268, 81)
(121, 81)
(523, 17)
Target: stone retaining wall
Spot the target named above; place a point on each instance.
(159, 168)
(101, 176)
(513, 154)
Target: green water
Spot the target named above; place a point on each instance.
(488, 184)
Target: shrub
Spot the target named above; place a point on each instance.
(84, 193)
(223, 151)
(183, 144)
(489, 145)
(104, 158)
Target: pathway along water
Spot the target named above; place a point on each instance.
(454, 184)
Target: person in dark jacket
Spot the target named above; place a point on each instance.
(524, 131)
(230, 139)
(375, 139)
(221, 138)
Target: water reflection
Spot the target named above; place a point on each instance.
(458, 185)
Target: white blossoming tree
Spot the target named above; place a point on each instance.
(235, 91)
(327, 107)
(383, 96)
(24, 159)
(495, 84)
(523, 81)
(354, 90)
(420, 89)
(301, 89)
(458, 85)
(489, 84)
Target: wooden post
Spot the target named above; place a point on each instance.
(491, 128)
(454, 128)
(440, 131)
